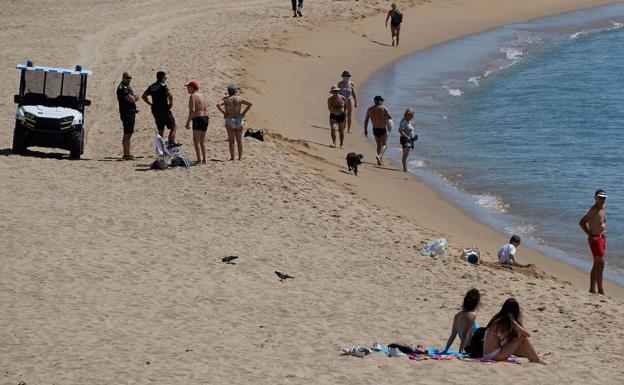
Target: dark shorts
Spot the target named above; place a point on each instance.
(379, 131)
(164, 119)
(127, 120)
(337, 118)
(395, 25)
(598, 245)
(405, 143)
(200, 123)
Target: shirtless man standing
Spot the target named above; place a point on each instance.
(337, 105)
(379, 115)
(594, 224)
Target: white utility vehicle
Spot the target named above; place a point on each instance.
(50, 109)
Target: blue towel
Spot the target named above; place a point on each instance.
(436, 352)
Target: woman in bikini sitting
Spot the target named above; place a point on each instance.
(465, 321)
(505, 336)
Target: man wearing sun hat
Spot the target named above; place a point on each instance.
(337, 105)
(594, 224)
(198, 115)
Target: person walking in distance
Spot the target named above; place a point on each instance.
(161, 104)
(127, 112)
(297, 6)
(231, 108)
(347, 89)
(594, 224)
(396, 18)
(198, 115)
(337, 105)
(378, 115)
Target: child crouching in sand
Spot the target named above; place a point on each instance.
(465, 321)
(507, 253)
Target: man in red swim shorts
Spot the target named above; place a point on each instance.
(594, 224)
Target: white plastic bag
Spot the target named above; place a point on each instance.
(434, 248)
(389, 125)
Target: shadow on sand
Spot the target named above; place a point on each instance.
(39, 154)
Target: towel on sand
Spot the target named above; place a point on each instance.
(435, 354)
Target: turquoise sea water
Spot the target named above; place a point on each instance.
(521, 124)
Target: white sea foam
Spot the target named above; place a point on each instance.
(524, 229)
(492, 202)
(614, 25)
(475, 80)
(512, 53)
(417, 163)
(576, 35)
(453, 91)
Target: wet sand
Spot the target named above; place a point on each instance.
(112, 274)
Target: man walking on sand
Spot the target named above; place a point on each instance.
(337, 105)
(161, 107)
(378, 115)
(127, 112)
(396, 18)
(297, 6)
(594, 224)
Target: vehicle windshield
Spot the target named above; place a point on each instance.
(52, 89)
(55, 84)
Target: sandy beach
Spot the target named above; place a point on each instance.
(113, 274)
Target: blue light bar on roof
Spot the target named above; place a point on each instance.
(66, 71)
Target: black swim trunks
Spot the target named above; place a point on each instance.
(337, 118)
(379, 131)
(164, 119)
(200, 123)
(127, 120)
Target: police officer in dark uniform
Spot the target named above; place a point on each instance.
(161, 106)
(127, 112)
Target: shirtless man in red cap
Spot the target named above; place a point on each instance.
(594, 224)
(198, 115)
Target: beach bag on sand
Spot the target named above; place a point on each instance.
(159, 164)
(475, 348)
(180, 161)
(259, 134)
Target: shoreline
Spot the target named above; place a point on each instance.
(114, 273)
(477, 57)
(360, 48)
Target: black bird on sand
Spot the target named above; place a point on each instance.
(283, 276)
(228, 259)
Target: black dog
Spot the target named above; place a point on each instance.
(353, 160)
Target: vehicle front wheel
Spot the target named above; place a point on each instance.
(19, 139)
(75, 144)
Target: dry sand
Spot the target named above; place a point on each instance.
(112, 275)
